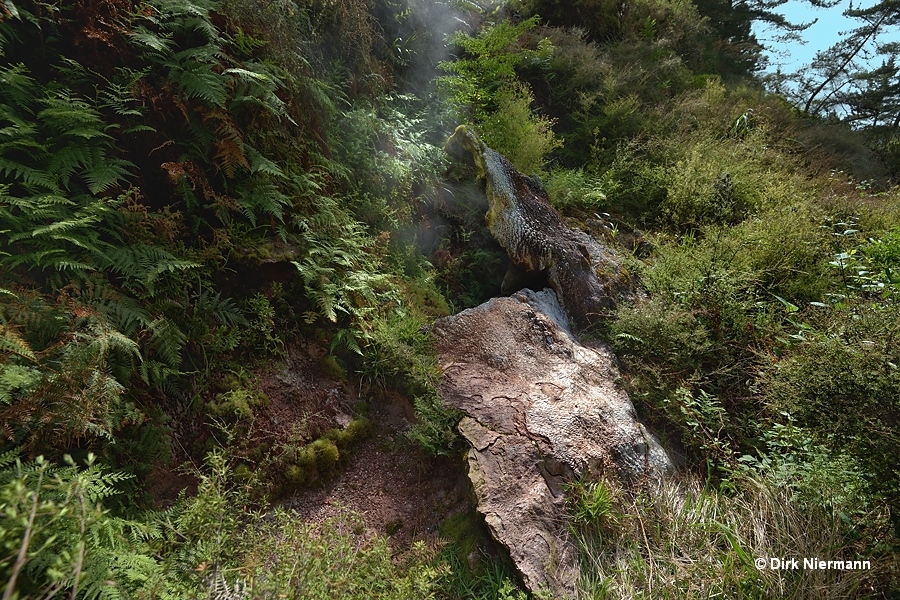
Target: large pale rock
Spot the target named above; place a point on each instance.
(541, 409)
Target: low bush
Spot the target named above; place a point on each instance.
(577, 189)
(839, 379)
(678, 539)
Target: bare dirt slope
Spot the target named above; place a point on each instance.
(398, 491)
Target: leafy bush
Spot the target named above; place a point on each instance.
(577, 189)
(57, 537)
(841, 385)
(792, 460)
(514, 131)
(485, 83)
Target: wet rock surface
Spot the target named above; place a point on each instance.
(541, 409)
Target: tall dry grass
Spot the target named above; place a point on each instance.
(679, 539)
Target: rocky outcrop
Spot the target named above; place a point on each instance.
(587, 276)
(541, 409)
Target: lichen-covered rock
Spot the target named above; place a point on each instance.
(587, 277)
(541, 409)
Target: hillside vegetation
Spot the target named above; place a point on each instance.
(193, 191)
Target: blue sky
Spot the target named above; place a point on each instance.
(830, 23)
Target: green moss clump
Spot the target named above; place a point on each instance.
(237, 404)
(334, 366)
(424, 296)
(357, 430)
(326, 455)
(465, 530)
(243, 473)
(296, 476)
(258, 452)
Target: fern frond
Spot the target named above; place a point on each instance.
(230, 152)
(223, 310)
(54, 229)
(198, 80)
(106, 175)
(260, 197)
(142, 265)
(247, 75)
(144, 37)
(27, 176)
(8, 458)
(168, 340)
(101, 340)
(71, 117)
(169, 264)
(261, 164)
(71, 265)
(12, 343)
(68, 159)
(123, 312)
(17, 84)
(159, 374)
(11, 9)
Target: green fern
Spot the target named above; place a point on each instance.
(144, 37)
(258, 197)
(12, 343)
(141, 265)
(168, 340)
(17, 381)
(105, 176)
(198, 80)
(338, 272)
(261, 164)
(122, 312)
(74, 545)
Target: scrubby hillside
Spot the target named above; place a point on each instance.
(225, 224)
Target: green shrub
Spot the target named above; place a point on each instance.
(839, 380)
(516, 132)
(487, 72)
(57, 535)
(665, 335)
(485, 84)
(792, 460)
(577, 189)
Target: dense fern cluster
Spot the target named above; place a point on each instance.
(152, 158)
(125, 189)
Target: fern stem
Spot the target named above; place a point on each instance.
(80, 562)
(26, 540)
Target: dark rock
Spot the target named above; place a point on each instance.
(587, 276)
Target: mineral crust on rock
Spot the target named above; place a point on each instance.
(541, 409)
(586, 275)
